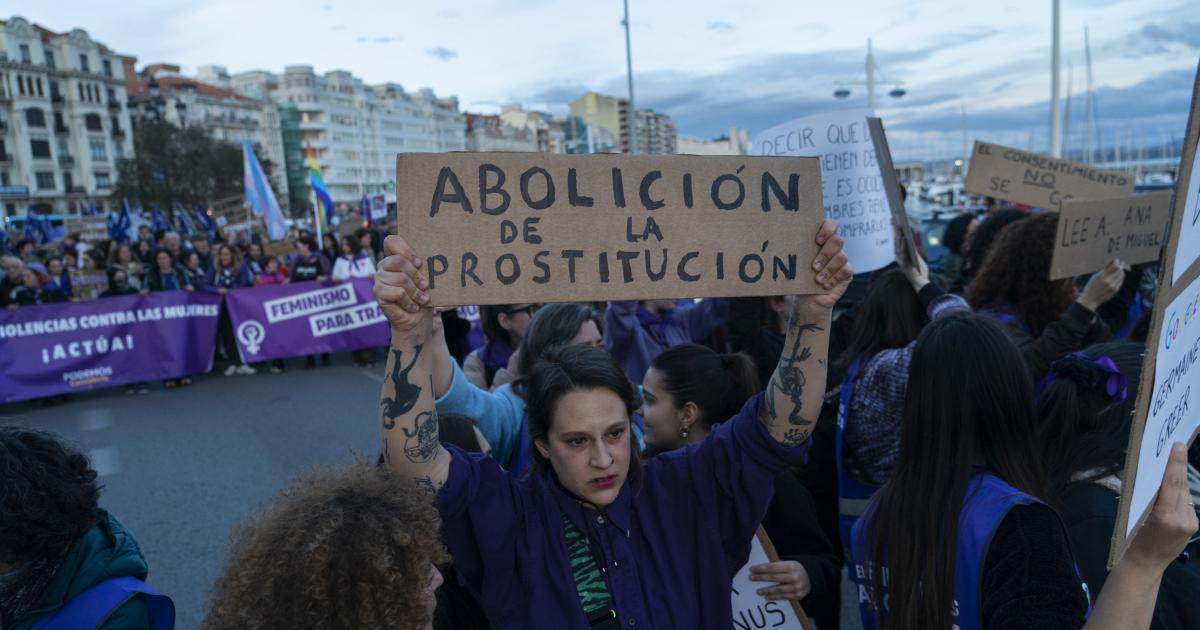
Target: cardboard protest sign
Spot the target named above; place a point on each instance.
(234, 217)
(1093, 233)
(279, 249)
(751, 610)
(503, 228)
(891, 189)
(850, 178)
(1039, 180)
(1165, 413)
(89, 229)
(88, 284)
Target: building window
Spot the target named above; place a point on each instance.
(59, 123)
(68, 182)
(83, 63)
(21, 85)
(35, 117)
(54, 91)
(80, 87)
(4, 181)
(99, 149)
(45, 180)
(102, 180)
(40, 148)
(118, 150)
(112, 96)
(107, 67)
(39, 87)
(49, 59)
(25, 56)
(63, 149)
(92, 121)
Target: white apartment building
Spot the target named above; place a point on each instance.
(491, 133)
(551, 137)
(736, 143)
(160, 92)
(655, 133)
(356, 130)
(64, 123)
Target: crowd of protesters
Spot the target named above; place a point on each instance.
(951, 440)
(166, 261)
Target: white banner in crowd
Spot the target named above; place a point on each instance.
(850, 178)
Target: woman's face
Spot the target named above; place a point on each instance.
(588, 335)
(346, 249)
(124, 256)
(272, 265)
(516, 321)
(55, 267)
(70, 261)
(226, 257)
(89, 262)
(329, 241)
(302, 248)
(163, 260)
(662, 419)
(193, 261)
(29, 279)
(256, 251)
(588, 444)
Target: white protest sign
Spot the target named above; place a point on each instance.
(750, 610)
(1188, 243)
(1173, 416)
(850, 178)
(378, 207)
(1164, 413)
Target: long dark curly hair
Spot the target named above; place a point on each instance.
(1014, 274)
(48, 496)
(351, 548)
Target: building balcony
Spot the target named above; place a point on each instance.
(76, 190)
(62, 129)
(3, 126)
(118, 132)
(66, 161)
(6, 158)
(57, 99)
(114, 105)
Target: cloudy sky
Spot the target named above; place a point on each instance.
(977, 67)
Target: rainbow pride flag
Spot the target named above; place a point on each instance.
(324, 203)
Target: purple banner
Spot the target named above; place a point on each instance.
(289, 320)
(74, 346)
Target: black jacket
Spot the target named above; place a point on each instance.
(791, 523)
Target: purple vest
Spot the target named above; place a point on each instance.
(988, 500)
(853, 495)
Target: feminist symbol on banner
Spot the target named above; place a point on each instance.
(251, 334)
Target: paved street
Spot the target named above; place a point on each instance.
(180, 467)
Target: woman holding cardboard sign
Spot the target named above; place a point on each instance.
(592, 538)
(961, 535)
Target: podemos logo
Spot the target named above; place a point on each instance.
(251, 334)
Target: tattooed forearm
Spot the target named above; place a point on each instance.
(794, 437)
(789, 380)
(406, 394)
(426, 483)
(421, 443)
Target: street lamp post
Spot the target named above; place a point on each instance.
(873, 79)
(629, 75)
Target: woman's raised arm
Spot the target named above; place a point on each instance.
(797, 388)
(408, 421)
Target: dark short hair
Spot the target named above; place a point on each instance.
(553, 324)
(310, 243)
(48, 495)
(563, 369)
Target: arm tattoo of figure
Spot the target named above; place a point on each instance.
(421, 443)
(795, 437)
(789, 379)
(426, 483)
(406, 393)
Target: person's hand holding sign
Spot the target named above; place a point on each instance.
(401, 290)
(790, 577)
(1102, 286)
(918, 275)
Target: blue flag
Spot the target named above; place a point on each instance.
(185, 223)
(36, 229)
(206, 224)
(159, 220)
(119, 224)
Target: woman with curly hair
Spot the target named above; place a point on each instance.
(354, 548)
(64, 562)
(1047, 319)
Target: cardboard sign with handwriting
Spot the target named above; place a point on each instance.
(1038, 180)
(88, 284)
(751, 610)
(1165, 412)
(90, 229)
(507, 228)
(891, 188)
(1093, 233)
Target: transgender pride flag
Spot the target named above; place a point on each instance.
(260, 195)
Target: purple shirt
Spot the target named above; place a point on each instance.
(634, 336)
(670, 543)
